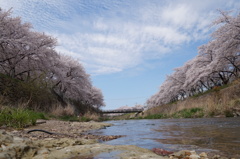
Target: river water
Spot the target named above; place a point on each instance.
(212, 135)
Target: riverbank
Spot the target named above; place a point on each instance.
(63, 148)
(221, 101)
(69, 140)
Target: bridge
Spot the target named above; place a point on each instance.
(122, 111)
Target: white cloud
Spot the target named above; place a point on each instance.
(111, 36)
(99, 25)
(106, 52)
(167, 34)
(180, 15)
(108, 39)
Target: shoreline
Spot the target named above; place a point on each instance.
(76, 144)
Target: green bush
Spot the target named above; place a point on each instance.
(5, 116)
(189, 113)
(18, 117)
(85, 119)
(156, 116)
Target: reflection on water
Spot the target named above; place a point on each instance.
(214, 134)
(221, 135)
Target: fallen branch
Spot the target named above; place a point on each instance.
(50, 133)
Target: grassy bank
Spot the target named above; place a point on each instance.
(39, 96)
(19, 117)
(185, 113)
(220, 101)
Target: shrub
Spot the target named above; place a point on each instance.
(84, 119)
(156, 116)
(19, 117)
(189, 113)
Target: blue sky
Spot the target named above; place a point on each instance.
(127, 46)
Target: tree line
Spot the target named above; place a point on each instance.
(31, 70)
(217, 64)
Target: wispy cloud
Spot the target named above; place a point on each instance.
(111, 36)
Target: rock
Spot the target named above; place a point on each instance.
(5, 138)
(4, 156)
(17, 139)
(181, 153)
(194, 156)
(203, 155)
(161, 152)
(185, 154)
(216, 157)
(192, 153)
(42, 151)
(4, 148)
(58, 148)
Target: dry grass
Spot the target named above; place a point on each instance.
(90, 116)
(219, 102)
(60, 111)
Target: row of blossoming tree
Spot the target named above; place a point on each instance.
(29, 59)
(217, 63)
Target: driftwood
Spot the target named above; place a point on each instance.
(50, 133)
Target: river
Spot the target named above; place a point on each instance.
(211, 135)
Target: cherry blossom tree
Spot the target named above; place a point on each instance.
(217, 63)
(96, 97)
(23, 51)
(30, 56)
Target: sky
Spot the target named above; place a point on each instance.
(127, 46)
